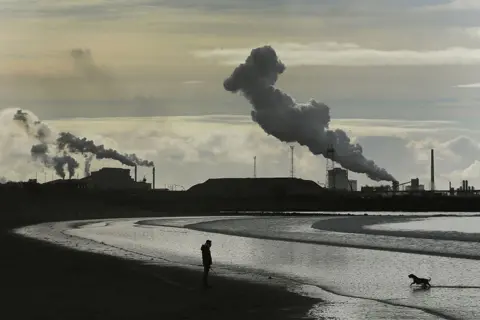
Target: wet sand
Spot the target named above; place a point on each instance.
(374, 283)
(44, 281)
(357, 225)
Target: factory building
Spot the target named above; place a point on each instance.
(105, 178)
(415, 185)
(383, 189)
(338, 179)
(114, 178)
(353, 185)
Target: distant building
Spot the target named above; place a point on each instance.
(376, 189)
(395, 186)
(338, 179)
(415, 185)
(353, 185)
(105, 178)
(114, 178)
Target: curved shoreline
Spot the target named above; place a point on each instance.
(206, 227)
(198, 227)
(161, 223)
(173, 283)
(358, 224)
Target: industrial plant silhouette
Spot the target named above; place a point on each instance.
(253, 194)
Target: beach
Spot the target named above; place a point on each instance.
(321, 267)
(46, 281)
(346, 280)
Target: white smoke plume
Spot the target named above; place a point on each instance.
(41, 132)
(34, 128)
(67, 141)
(305, 123)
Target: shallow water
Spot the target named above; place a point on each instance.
(367, 274)
(445, 224)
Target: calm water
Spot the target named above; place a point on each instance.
(378, 279)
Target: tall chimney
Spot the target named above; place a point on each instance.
(135, 173)
(153, 178)
(432, 171)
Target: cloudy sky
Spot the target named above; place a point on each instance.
(146, 76)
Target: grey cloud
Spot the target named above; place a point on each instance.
(109, 9)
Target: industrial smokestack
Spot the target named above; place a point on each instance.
(153, 178)
(135, 173)
(432, 171)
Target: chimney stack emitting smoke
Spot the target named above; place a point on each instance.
(135, 173)
(67, 141)
(278, 114)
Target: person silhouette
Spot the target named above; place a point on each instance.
(207, 261)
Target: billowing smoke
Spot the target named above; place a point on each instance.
(68, 141)
(34, 128)
(40, 152)
(305, 123)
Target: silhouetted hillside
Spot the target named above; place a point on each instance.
(255, 187)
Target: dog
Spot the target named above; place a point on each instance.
(423, 281)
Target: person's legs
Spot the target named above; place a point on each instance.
(206, 269)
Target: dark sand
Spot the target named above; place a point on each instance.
(43, 281)
(357, 225)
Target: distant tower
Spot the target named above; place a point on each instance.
(432, 171)
(330, 163)
(255, 166)
(153, 178)
(292, 172)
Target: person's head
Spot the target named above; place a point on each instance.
(208, 243)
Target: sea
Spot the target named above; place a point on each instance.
(354, 275)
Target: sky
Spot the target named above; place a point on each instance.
(146, 77)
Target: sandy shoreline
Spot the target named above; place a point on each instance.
(92, 285)
(59, 283)
(354, 224)
(277, 258)
(333, 235)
